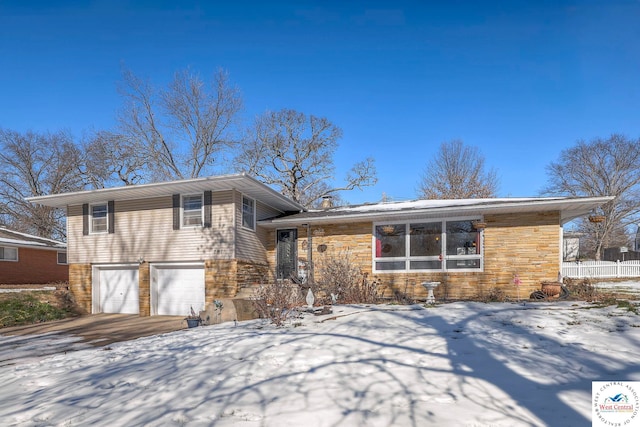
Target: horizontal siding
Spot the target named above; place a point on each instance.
(251, 245)
(144, 230)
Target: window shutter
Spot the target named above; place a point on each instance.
(111, 216)
(85, 219)
(176, 212)
(207, 209)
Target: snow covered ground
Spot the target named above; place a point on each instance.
(457, 364)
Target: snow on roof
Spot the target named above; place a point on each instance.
(23, 239)
(426, 204)
(569, 208)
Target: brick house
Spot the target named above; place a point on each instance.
(165, 247)
(28, 259)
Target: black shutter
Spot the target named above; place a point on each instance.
(111, 211)
(85, 219)
(176, 212)
(207, 209)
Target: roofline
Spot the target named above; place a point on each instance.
(129, 192)
(35, 246)
(485, 206)
(32, 236)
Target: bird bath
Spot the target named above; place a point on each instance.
(430, 286)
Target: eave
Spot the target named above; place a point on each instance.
(570, 208)
(240, 182)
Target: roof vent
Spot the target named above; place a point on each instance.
(327, 202)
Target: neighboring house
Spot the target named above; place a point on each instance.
(571, 245)
(163, 248)
(28, 259)
(620, 253)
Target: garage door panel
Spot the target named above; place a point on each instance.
(178, 289)
(119, 291)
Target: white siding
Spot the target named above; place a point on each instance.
(144, 230)
(251, 245)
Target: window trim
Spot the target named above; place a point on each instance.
(91, 225)
(182, 197)
(58, 258)
(442, 257)
(10, 260)
(253, 201)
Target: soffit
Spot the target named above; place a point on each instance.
(240, 182)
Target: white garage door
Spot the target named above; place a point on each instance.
(118, 291)
(177, 289)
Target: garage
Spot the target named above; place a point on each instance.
(116, 290)
(177, 288)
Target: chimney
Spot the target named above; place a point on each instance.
(327, 202)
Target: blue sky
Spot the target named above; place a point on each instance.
(521, 80)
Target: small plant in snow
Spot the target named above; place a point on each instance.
(277, 301)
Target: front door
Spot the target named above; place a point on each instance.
(287, 254)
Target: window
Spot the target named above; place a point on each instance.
(99, 221)
(62, 257)
(8, 254)
(248, 213)
(192, 210)
(427, 246)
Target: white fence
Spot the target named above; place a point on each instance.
(601, 269)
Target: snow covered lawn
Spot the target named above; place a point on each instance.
(458, 364)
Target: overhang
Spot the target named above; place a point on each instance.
(570, 208)
(24, 240)
(240, 182)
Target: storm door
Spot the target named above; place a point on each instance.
(287, 254)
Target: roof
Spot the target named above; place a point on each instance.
(569, 207)
(241, 182)
(14, 238)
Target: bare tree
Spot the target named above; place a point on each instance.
(601, 167)
(295, 152)
(180, 131)
(457, 172)
(33, 164)
(111, 158)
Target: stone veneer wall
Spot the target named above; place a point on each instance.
(80, 285)
(250, 273)
(144, 289)
(220, 279)
(527, 245)
(524, 244)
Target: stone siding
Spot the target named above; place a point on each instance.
(144, 289)
(80, 285)
(220, 279)
(524, 244)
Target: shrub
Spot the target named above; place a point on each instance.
(492, 295)
(346, 282)
(277, 301)
(582, 289)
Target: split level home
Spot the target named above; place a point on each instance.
(26, 259)
(162, 248)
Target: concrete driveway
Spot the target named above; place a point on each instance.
(24, 343)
